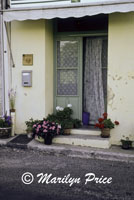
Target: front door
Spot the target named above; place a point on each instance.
(68, 74)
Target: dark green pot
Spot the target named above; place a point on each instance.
(48, 139)
(126, 144)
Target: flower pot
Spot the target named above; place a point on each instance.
(5, 132)
(12, 110)
(105, 132)
(67, 131)
(48, 139)
(85, 118)
(13, 117)
(30, 135)
(126, 144)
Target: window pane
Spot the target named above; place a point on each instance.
(67, 54)
(67, 82)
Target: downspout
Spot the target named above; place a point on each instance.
(5, 42)
(2, 58)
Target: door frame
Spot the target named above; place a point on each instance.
(80, 36)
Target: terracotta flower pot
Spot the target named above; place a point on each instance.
(5, 132)
(105, 132)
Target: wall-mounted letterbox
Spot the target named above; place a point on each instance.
(27, 78)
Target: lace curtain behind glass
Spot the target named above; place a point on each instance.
(93, 83)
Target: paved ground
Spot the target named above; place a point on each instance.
(15, 162)
(115, 153)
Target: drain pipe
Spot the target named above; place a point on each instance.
(4, 62)
(2, 111)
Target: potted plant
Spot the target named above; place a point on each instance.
(29, 128)
(105, 124)
(47, 130)
(12, 97)
(126, 143)
(5, 127)
(64, 118)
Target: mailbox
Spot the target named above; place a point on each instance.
(27, 78)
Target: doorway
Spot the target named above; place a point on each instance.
(94, 76)
(81, 75)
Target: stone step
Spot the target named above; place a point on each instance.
(83, 131)
(83, 140)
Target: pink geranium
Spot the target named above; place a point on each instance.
(44, 128)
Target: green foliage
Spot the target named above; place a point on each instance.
(108, 123)
(63, 117)
(5, 122)
(77, 123)
(65, 114)
(2, 123)
(30, 124)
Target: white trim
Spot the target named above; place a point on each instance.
(2, 64)
(6, 70)
(74, 10)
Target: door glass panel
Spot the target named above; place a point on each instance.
(67, 54)
(67, 82)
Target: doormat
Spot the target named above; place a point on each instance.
(21, 139)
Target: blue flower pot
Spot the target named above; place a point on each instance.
(85, 118)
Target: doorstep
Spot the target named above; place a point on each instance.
(83, 140)
(82, 137)
(86, 137)
(85, 131)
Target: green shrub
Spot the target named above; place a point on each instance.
(64, 118)
(30, 124)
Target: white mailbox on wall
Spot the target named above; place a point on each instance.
(27, 78)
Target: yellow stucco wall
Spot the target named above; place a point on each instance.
(31, 37)
(36, 37)
(121, 74)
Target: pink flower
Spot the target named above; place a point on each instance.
(58, 130)
(37, 130)
(39, 126)
(34, 125)
(59, 126)
(45, 131)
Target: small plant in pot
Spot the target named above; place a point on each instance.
(105, 124)
(5, 127)
(126, 143)
(12, 97)
(63, 116)
(47, 130)
(29, 128)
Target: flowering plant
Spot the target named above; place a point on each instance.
(126, 142)
(44, 127)
(12, 96)
(5, 121)
(104, 122)
(63, 116)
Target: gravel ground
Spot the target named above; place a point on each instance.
(15, 162)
